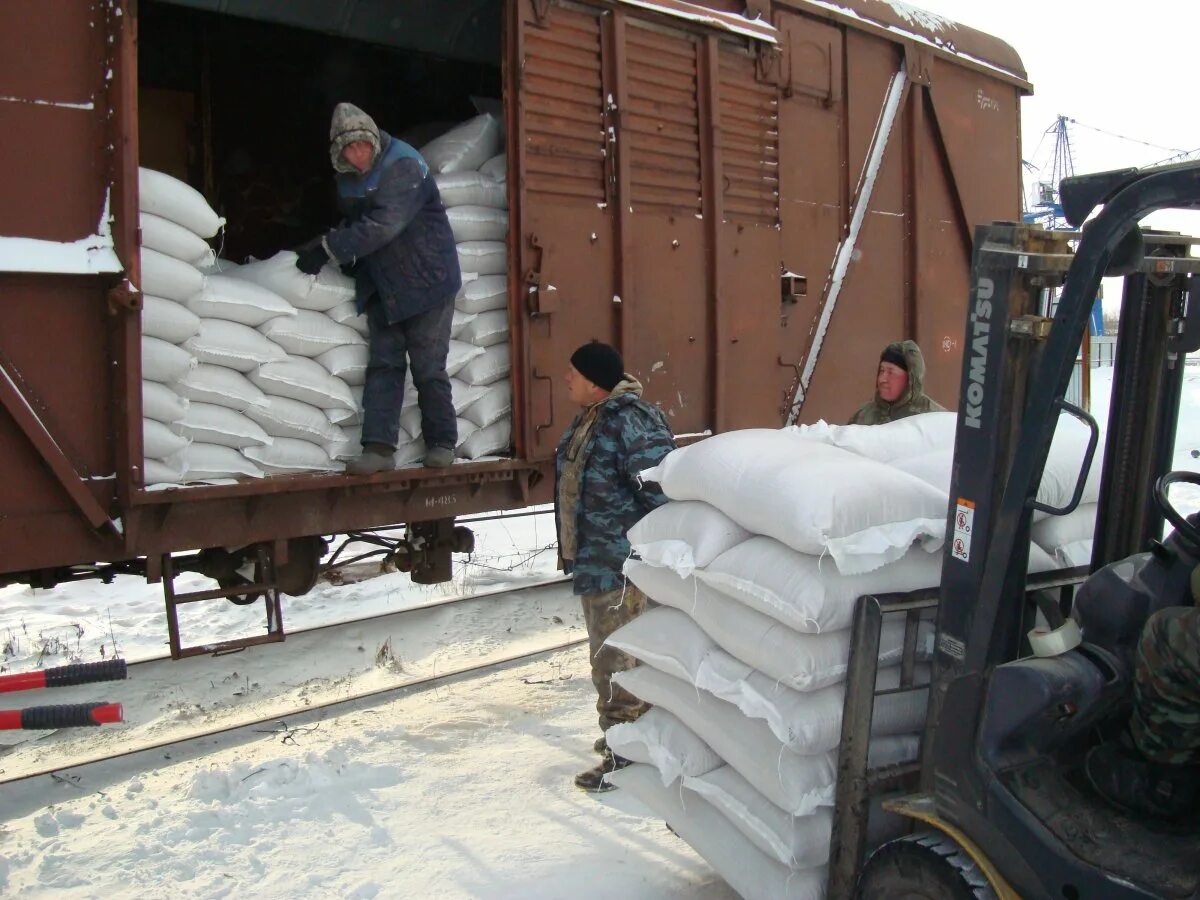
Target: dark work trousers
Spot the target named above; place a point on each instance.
(424, 341)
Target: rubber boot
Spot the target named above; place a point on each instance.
(439, 457)
(374, 458)
(593, 780)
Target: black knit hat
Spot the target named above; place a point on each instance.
(600, 364)
(894, 355)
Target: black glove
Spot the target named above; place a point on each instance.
(310, 258)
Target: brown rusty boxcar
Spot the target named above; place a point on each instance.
(748, 198)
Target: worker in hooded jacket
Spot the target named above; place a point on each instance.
(899, 387)
(396, 239)
(598, 498)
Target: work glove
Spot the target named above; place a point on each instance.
(310, 258)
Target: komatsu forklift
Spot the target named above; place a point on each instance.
(1030, 672)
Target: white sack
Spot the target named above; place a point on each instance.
(465, 396)
(901, 439)
(343, 416)
(1076, 553)
(492, 403)
(465, 147)
(221, 386)
(162, 404)
(168, 320)
(486, 329)
(162, 195)
(488, 367)
(659, 739)
(459, 355)
(410, 454)
(483, 257)
(212, 462)
(799, 842)
(348, 362)
(347, 314)
(480, 295)
(459, 321)
(211, 424)
(477, 223)
(310, 333)
(684, 535)
(174, 240)
(749, 871)
(238, 300)
(811, 496)
(496, 168)
(471, 189)
(796, 784)
(349, 443)
(318, 293)
(493, 440)
(808, 722)
(165, 276)
(163, 362)
(805, 662)
(163, 471)
(290, 455)
(805, 592)
(233, 345)
(159, 441)
(283, 417)
(305, 380)
(219, 266)
(1054, 532)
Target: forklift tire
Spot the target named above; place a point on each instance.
(927, 865)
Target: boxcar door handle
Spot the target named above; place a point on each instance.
(549, 401)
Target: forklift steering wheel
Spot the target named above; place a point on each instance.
(1185, 529)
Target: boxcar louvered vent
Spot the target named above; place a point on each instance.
(661, 128)
(564, 114)
(749, 142)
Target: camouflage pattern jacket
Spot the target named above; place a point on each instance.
(912, 402)
(629, 435)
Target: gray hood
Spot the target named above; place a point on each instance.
(350, 124)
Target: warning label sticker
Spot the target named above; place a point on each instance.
(964, 522)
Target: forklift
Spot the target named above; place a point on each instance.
(998, 805)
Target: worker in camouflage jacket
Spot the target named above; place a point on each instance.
(1154, 769)
(598, 498)
(899, 387)
(396, 240)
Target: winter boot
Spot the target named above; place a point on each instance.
(1134, 784)
(374, 458)
(439, 457)
(601, 745)
(593, 779)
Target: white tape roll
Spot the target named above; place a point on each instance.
(1056, 642)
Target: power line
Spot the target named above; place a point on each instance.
(1124, 137)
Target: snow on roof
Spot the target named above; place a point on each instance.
(680, 9)
(933, 30)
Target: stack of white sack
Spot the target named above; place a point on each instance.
(757, 563)
(924, 446)
(470, 169)
(319, 357)
(176, 222)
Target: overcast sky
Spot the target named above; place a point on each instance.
(1128, 68)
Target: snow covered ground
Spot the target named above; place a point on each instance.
(459, 791)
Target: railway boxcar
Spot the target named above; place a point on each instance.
(748, 198)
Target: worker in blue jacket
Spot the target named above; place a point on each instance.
(397, 241)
